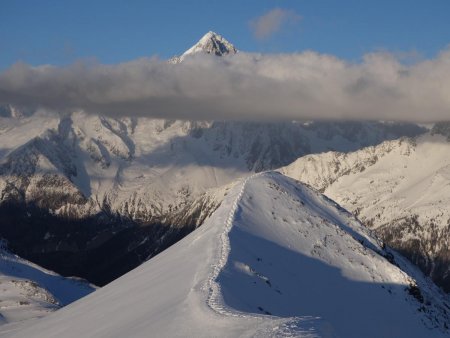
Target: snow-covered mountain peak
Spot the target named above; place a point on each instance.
(212, 43)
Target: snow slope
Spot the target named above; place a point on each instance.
(29, 291)
(400, 188)
(275, 259)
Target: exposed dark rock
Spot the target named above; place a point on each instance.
(406, 236)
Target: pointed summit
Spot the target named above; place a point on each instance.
(210, 43)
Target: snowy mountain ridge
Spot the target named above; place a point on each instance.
(276, 259)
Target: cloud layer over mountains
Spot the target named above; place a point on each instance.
(244, 86)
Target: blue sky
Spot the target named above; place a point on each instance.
(60, 32)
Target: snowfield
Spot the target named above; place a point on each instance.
(275, 259)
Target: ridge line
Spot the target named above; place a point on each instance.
(212, 286)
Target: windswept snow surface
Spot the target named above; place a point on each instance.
(29, 291)
(275, 259)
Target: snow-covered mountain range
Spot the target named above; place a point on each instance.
(95, 196)
(276, 259)
(400, 189)
(117, 173)
(76, 187)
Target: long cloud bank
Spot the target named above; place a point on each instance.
(241, 87)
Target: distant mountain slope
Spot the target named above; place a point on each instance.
(400, 188)
(29, 291)
(275, 259)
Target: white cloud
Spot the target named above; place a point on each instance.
(243, 86)
(270, 23)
